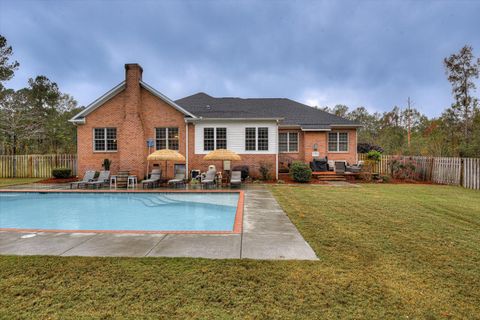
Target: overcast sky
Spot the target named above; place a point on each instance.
(359, 53)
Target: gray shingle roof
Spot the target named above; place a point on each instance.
(292, 112)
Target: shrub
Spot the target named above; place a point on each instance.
(62, 173)
(367, 147)
(244, 169)
(374, 155)
(264, 169)
(403, 171)
(300, 172)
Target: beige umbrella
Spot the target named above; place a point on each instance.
(222, 155)
(166, 155)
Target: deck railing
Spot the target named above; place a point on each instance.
(35, 165)
(442, 170)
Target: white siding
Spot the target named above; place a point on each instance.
(236, 135)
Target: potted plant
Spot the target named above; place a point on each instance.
(106, 164)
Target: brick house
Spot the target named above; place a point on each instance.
(118, 125)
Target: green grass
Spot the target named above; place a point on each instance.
(14, 181)
(386, 252)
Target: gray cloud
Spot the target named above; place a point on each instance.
(374, 54)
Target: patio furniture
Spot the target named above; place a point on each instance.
(132, 181)
(87, 177)
(340, 167)
(236, 179)
(319, 165)
(209, 179)
(356, 168)
(180, 176)
(154, 179)
(103, 179)
(113, 181)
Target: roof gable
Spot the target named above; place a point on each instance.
(80, 117)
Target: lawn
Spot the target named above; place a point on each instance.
(386, 252)
(14, 181)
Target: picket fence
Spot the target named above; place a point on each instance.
(442, 170)
(35, 165)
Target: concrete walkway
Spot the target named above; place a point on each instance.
(267, 234)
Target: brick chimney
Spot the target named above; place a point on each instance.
(132, 150)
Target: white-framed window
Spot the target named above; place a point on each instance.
(288, 142)
(338, 142)
(166, 138)
(214, 138)
(105, 139)
(256, 139)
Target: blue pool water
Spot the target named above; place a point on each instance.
(119, 211)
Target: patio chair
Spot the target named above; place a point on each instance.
(340, 167)
(154, 179)
(180, 175)
(87, 177)
(209, 179)
(102, 180)
(236, 179)
(356, 168)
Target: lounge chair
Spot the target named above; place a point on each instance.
(87, 177)
(356, 168)
(236, 179)
(209, 179)
(178, 180)
(340, 167)
(154, 179)
(102, 180)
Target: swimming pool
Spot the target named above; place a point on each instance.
(147, 212)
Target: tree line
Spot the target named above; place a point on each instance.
(406, 131)
(34, 119)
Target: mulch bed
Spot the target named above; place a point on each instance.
(55, 180)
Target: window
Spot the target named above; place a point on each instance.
(214, 138)
(256, 139)
(166, 138)
(288, 142)
(262, 139)
(337, 141)
(105, 139)
(250, 139)
(221, 142)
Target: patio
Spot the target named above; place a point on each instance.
(267, 233)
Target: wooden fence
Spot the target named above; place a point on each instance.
(35, 166)
(442, 170)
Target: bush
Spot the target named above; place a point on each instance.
(374, 155)
(62, 173)
(106, 164)
(264, 169)
(244, 169)
(367, 147)
(403, 171)
(300, 172)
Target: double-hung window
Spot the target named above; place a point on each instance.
(166, 138)
(256, 139)
(338, 142)
(214, 138)
(288, 142)
(105, 139)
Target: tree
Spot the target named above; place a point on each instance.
(7, 69)
(462, 69)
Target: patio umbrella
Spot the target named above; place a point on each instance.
(166, 155)
(222, 155)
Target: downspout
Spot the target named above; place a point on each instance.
(186, 149)
(276, 155)
(356, 144)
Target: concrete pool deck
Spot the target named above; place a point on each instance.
(267, 233)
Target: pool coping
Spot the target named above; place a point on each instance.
(237, 224)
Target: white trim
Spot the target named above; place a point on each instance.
(316, 130)
(167, 140)
(344, 126)
(338, 142)
(199, 119)
(104, 139)
(165, 98)
(288, 142)
(97, 103)
(276, 155)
